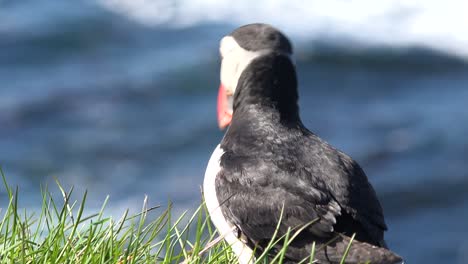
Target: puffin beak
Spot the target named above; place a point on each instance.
(224, 107)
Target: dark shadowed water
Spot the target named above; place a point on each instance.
(126, 107)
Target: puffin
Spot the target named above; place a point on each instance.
(271, 176)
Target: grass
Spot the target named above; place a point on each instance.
(62, 233)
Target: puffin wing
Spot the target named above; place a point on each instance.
(361, 204)
(255, 201)
(255, 195)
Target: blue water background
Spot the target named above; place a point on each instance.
(121, 108)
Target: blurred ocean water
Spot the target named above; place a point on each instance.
(118, 97)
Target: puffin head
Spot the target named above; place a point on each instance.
(237, 51)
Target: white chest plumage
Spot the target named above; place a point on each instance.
(225, 229)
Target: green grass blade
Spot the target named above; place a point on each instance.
(347, 249)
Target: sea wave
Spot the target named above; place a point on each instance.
(438, 25)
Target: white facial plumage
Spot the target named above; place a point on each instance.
(234, 61)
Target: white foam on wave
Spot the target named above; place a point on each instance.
(435, 24)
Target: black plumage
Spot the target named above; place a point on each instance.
(260, 36)
(271, 162)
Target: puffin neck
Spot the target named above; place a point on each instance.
(268, 84)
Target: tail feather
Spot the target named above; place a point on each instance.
(332, 251)
(359, 252)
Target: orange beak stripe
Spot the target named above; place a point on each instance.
(224, 113)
